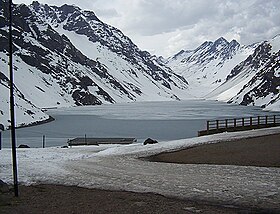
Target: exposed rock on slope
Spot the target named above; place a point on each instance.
(65, 56)
(247, 75)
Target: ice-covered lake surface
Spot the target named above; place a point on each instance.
(162, 121)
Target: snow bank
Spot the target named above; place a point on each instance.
(52, 160)
(117, 167)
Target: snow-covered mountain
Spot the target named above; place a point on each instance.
(208, 66)
(227, 71)
(65, 56)
(256, 80)
(26, 112)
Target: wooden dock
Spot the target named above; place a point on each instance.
(240, 124)
(96, 141)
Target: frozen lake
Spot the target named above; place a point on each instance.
(158, 120)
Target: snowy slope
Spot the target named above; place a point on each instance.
(226, 71)
(207, 66)
(26, 112)
(117, 167)
(64, 56)
(76, 50)
(256, 80)
(121, 72)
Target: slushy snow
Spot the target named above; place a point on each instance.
(118, 167)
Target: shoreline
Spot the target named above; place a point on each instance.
(36, 123)
(50, 119)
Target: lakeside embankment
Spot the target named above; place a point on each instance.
(254, 151)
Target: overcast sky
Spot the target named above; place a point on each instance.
(164, 27)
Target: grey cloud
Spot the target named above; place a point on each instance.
(155, 17)
(159, 16)
(178, 24)
(108, 13)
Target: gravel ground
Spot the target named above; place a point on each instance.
(65, 199)
(255, 151)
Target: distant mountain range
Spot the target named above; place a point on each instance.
(65, 56)
(227, 71)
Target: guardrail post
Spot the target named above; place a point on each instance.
(251, 121)
(226, 124)
(217, 124)
(207, 126)
(274, 120)
(258, 121)
(44, 141)
(234, 121)
(242, 122)
(266, 120)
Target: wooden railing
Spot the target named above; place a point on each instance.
(240, 124)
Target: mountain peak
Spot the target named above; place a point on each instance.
(35, 3)
(234, 42)
(234, 45)
(219, 44)
(181, 53)
(221, 40)
(66, 8)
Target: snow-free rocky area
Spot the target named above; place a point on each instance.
(117, 167)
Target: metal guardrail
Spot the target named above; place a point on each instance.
(240, 124)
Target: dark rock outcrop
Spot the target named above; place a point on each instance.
(23, 146)
(150, 141)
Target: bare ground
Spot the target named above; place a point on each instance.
(65, 199)
(261, 151)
